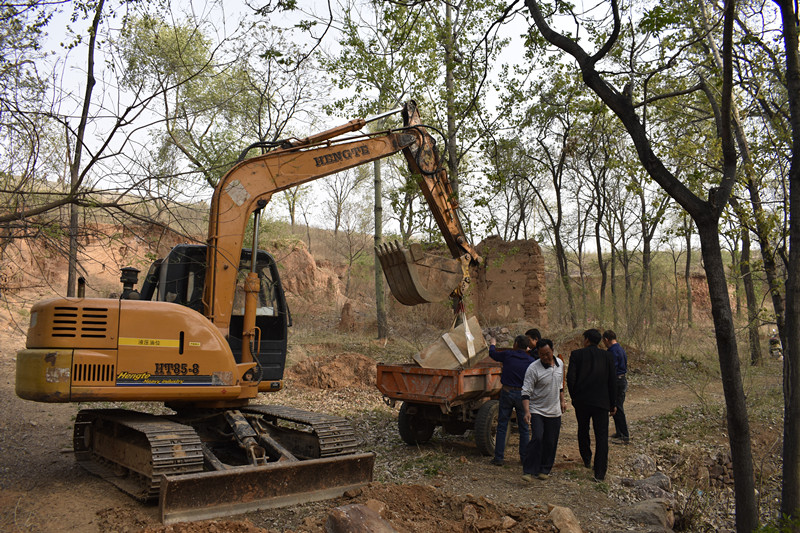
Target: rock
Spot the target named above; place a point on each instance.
(657, 486)
(507, 522)
(470, 514)
(377, 506)
(703, 478)
(716, 471)
(643, 464)
(353, 493)
(649, 492)
(347, 321)
(659, 479)
(356, 518)
(564, 519)
(654, 512)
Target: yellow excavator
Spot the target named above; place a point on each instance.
(207, 332)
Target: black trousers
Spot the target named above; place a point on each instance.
(599, 419)
(620, 423)
(542, 446)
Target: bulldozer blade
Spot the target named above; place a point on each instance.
(206, 495)
(415, 277)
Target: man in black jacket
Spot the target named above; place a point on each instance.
(591, 381)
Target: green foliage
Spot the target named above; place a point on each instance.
(430, 463)
(216, 96)
(784, 524)
(601, 486)
(660, 18)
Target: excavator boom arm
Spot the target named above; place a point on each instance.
(423, 159)
(252, 182)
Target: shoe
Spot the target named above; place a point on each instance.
(527, 477)
(620, 441)
(616, 436)
(542, 476)
(496, 462)
(587, 464)
(598, 479)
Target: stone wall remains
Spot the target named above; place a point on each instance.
(509, 286)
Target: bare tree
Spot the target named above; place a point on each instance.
(706, 214)
(341, 188)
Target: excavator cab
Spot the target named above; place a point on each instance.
(179, 278)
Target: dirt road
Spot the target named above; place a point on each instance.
(44, 490)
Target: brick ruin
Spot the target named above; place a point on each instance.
(509, 286)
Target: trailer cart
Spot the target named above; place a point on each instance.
(457, 400)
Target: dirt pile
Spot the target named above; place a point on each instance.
(345, 370)
(408, 508)
(701, 300)
(301, 275)
(427, 508)
(39, 266)
(207, 526)
(35, 267)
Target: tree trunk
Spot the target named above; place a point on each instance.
(614, 314)
(643, 300)
(452, 152)
(72, 270)
(626, 274)
(738, 425)
(380, 299)
(750, 296)
(688, 273)
(774, 280)
(603, 269)
(75, 165)
(645, 255)
(736, 274)
(563, 272)
(790, 494)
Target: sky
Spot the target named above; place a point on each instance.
(69, 66)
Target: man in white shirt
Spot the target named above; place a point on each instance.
(543, 402)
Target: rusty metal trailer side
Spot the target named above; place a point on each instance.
(409, 382)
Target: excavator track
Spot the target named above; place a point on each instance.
(334, 434)
(134, 450)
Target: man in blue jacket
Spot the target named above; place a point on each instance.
(621, 433)
(515, 363)
(592, 385)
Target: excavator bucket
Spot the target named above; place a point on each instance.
(415, 277)
(206, 495)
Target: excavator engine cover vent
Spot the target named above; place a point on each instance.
(80, 322)
(92, 373)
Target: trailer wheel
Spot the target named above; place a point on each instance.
(413, 426)
(486, 427)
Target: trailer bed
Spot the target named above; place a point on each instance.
(433, 386)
